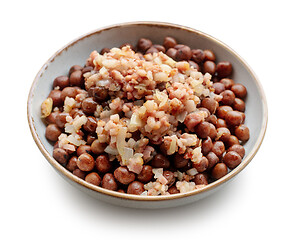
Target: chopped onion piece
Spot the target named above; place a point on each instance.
(103, 82)
(135, 122)
(192, 171)
(121, 143)
(128, 153)
(181, 117)
(111, 150)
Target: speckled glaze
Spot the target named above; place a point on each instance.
(77, 51)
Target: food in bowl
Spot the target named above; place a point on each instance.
(165, 119)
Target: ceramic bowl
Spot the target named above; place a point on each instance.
(77, 51)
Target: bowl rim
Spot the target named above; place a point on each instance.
(119, 195)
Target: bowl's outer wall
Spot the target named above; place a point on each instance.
(143, 204)
(78, 53)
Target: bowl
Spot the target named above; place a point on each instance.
(77, 51)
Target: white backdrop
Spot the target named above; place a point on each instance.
(36, 203)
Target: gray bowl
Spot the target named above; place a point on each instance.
(77, 51)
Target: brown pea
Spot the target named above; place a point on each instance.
(144, 44)
(180, 161)
(173, 190)
(172, 52)
(203, 109)
(76, 78)
(52, 132)
(100, 94)
(239, 105)
(135, 187)
(68, 92)
(243, 116)
(85, 162)
(201, 165)
(76, 112)
(109, 182)
(136, 136)
(160, 48)
(104, 50)
(90, 139)
(223, 134)
(219, 87)
(75, 68)
(90, 125)
(72, 164)
(237, 148)
(194, 65)
(233, 140)
(93, 178)
(123, 175)
(221, 123)
(160, 161)
(213, 159)
(215, 79)
(61, 82)
(232, 159)
(234, 118)
(197, 55)
(89, 105)
(89, 62)
(61, 119)
(169, 176)
(52, 117)
(218, 148)
(209, 67)
(69, 151)
(169, 42)
(60, 155)
(127, 44)
(209, 55)
(213, 131)
(202, 130)
(97, 147)
(228, 83)
(239, 90)
(224, 69)
(146, 174)
(177, 46)
(192, 120)
(210, 104)
(212, 119)
(103, 163)
(152, 50)
(87, 69)
(220, 170)
(56, 97)
(183, 53)
(222, 111)
(56, 145)
(121, 191)
(228, 97)
(83, 149)
(201, 179)
(206, 146)
(242, 132)
(79, 173)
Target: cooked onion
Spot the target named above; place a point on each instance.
(135, 122)
(111, 150)
(103, 82)
(121, 142)
(128, 153)
(181, 117)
